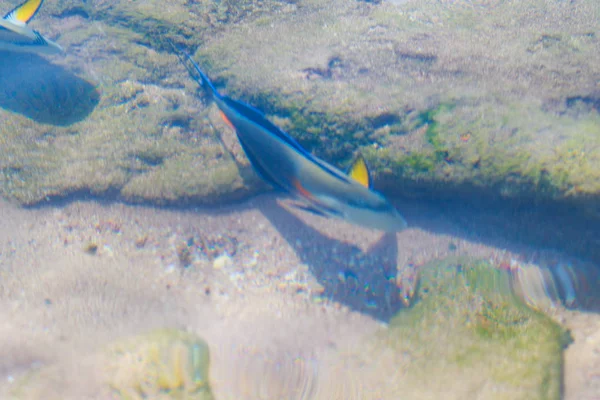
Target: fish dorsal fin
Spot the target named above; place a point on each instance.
(23, 13)
(359, 171)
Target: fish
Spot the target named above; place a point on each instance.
(16, 36)
(283, 163)
(566, 276)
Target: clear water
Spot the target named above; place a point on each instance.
(141, 255)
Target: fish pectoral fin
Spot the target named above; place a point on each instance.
(24, 12)
(309, 209)
(317, 200)
(359, 171)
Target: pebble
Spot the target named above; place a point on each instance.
(222, 261)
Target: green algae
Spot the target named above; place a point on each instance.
(468, 325)
(179, 181)
(515, 151)
(415, 163)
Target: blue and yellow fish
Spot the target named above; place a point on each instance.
(15, 35)
(286, 165)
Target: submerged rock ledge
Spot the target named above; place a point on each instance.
(443, 99)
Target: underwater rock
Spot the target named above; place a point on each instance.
(137, 142)
(469, 336)
(443, 98)
(434, 110)
(164, 364)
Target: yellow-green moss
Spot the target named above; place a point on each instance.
(468, 325)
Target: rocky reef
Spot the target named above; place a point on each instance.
(448, 99)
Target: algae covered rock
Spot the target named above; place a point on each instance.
(442, 97)
(113, 127)
(469, 336)
(161, 365)
(166, 364)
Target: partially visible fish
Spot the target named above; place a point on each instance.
(283, 163)
(15, 35)
(567, 278)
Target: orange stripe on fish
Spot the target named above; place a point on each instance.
(226, 120)
(302, 190)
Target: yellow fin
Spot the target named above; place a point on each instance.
(360, 172)
(24, 12)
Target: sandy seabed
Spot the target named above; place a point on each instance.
(264, 283)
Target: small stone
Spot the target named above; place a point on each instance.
(184, 255)
(91, 248)
(222, 261)
(141, 241)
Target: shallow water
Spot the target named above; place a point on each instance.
(129, 207)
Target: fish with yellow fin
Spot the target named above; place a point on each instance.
(15, 35)
(284, 164)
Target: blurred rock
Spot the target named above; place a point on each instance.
(469, 336)
(165, 364)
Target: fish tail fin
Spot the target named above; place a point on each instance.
(195, 72)
(24, 12)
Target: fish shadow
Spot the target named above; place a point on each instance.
(561, 233)
(44, 92)
(363, 281)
